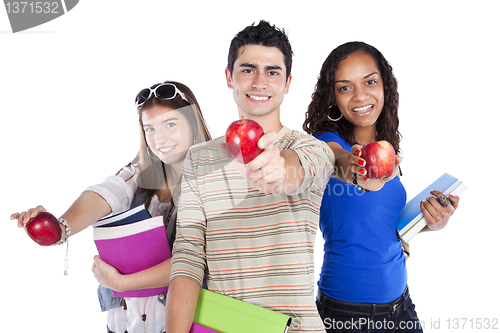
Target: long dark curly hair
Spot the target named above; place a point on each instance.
(323, 97)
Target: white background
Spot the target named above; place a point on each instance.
(68, 121)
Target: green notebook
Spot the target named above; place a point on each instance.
(228, 315)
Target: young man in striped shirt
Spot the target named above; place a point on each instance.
(250, 229)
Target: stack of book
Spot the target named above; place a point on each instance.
(131, 242)
(411, 219)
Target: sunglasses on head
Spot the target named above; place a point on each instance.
(163, 91)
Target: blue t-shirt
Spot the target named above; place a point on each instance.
(363, 260)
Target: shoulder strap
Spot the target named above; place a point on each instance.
(139, 199)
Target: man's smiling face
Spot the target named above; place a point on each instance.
(259, 81)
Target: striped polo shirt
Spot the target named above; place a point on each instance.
(253, 246)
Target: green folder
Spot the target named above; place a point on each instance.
(228, 315)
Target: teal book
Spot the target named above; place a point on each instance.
(411, 219)
(228, 315)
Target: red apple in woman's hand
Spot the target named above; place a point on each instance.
(243, 136)
(380, 159)
(44, 229)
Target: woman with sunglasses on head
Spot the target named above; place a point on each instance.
(363, 281)
(170, 122)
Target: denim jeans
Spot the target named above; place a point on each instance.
(343, 317)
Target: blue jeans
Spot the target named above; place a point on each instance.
(343, 317)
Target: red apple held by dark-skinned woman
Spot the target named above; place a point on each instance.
(242, 137)
(380, 159)
(44, 229)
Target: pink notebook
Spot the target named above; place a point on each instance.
(134, 247)
(196, 328)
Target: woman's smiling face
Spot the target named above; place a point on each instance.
(359, 90)
(168, 133)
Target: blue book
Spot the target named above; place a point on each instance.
(411, 219)
(133, 215)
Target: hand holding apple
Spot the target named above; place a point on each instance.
(380, 159)
(267, 171)
(44, 229)
(242, 137)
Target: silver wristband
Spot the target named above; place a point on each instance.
(64, 223)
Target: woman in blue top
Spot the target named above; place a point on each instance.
(363, 282)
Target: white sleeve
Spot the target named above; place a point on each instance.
(118, 190)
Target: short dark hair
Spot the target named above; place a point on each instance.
(263, 34)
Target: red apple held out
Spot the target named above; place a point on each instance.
(242, 136)
(380, 159)
(44, 229)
